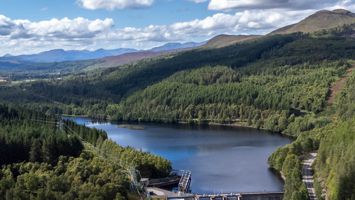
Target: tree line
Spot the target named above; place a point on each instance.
(281, 99)
(43, 157)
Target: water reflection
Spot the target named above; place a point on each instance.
(221, 159)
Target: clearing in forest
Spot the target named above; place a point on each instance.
(339, 85)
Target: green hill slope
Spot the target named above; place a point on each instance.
(91, 93)
(321, 20)
(227, 40)
(277, 82)
(271, 98)
(334, 142)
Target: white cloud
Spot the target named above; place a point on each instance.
(24, 36)
(272, 4)
(246, 22)
(55, 28)
(21, 36)
(66, 28)
(114, 4)
(198, 1)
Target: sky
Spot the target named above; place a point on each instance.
(31, 26)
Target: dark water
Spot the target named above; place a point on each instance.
(221, 159)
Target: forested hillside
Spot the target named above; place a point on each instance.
(279, 83)
(272, 98)
(335, 144)
(46, 158)
(335, 166)
(92, 93)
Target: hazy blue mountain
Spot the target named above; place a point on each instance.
(8, 55)
(177, 46)
(60, 55)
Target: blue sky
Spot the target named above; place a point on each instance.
(30, 26)
(162, 12)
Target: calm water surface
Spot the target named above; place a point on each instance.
(221, 159)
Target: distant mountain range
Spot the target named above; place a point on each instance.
(169, 48)
(61, 61)
(60, 55)
(176, 46)
(322, 20)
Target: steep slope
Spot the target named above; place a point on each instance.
(117, 83)
(226, 40)
(93, 92)
(224, 95)
(321, 20)
(339, 85)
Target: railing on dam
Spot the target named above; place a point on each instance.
(185, 180)
(231, 196)
(156, 192)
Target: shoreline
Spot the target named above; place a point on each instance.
(235, 124)
(127, 124)
(83, 116)
(194, 122)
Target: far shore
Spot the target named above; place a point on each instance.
(126, 124)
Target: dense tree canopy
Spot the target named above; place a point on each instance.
(93, 93)
(335, 142)
(279, 83)
(274, 98)
(43, 157)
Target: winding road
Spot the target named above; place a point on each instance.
(307, 175)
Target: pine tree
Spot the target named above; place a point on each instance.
(35, 152)
(46, 152)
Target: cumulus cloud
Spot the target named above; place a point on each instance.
(266, 4)
(6, 25)
(245, 22)
(114, 4)
(24, 36)
(55, 28)
(67, 28)
(198, 1)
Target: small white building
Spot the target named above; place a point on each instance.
(4, 79)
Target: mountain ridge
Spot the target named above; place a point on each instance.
(337, 26)
(61, 55)
(321, 20)
(223, 40)
(176, 45)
